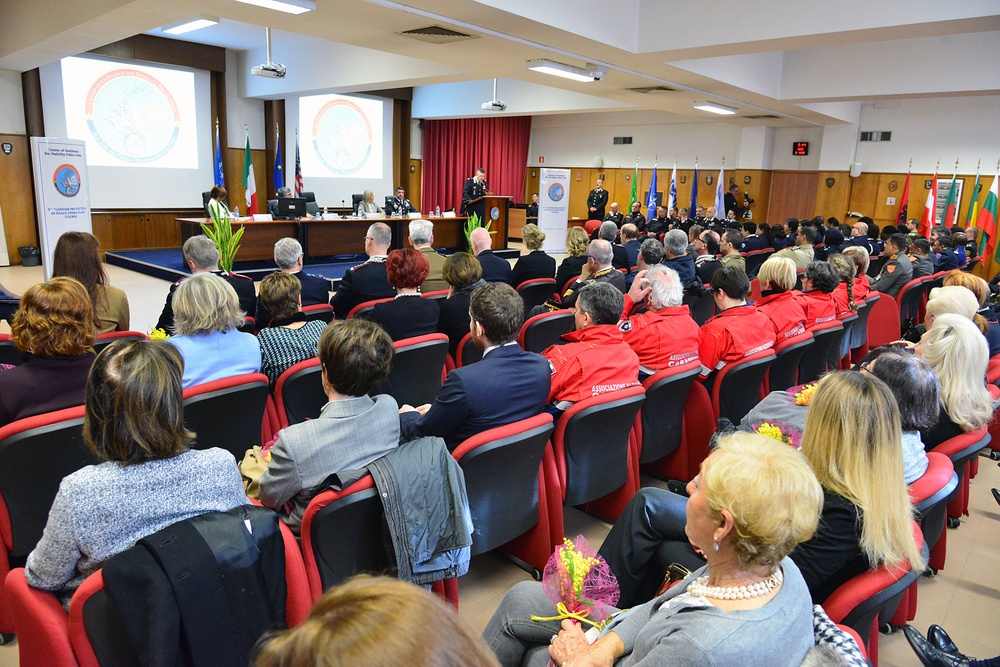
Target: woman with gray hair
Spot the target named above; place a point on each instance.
(665, 335)
(206, 316)
(367, 205)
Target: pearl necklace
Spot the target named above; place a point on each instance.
(700, 588)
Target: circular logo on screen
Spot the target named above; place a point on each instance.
(556, 192)
(495, 213)
(342, 136)
(67, 180)
(132, 116)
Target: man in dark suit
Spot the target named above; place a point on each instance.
(731, 201)
(630, 240)
(597, 200)
(495, 269)
(272, 204)
(288, 257)
(399, 204)
(533, 207)
(474, 188)
(201, 256)
(608, 231)
(366, 282)
(636, 217)
(506, 386)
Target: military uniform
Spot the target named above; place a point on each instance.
(598, 200)
(898, 271)
(364, 282)
(617, 218)
(244, 291)
(472, 189)
(802, 255)
(399, 207)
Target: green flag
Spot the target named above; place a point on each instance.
(973, 214)
(635, 185)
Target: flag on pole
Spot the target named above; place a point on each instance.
(249, 184)
(950, 204)
(973, 214)
(634, 197)
(930, 209)
(904, 203)
(672, 197)
(299, 187)
(692, 212)
(987, 221)
(220, 177)
(279, 172)
(651, 197)
(720, 195)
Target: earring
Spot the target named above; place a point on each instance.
(715, 545)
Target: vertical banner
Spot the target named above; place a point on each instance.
(62, 193)
(4, 256)
(553, 209)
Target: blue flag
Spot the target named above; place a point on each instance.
(694, 192)
(651, 198)
(279, 172)
(220, 178)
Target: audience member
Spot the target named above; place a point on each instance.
(206, 317)
(463, 273)
(862, 287)
(706, 261)
(367, 281)
(609, 232)
(777, 300)
(940, 650)
(467, 403)
(732, 241)
(665, 335)
(944, 257)
(614, 215)
(693, 232)
(897, 270)
(313, 289)
(290, 338)
(972, 242)
(843, 293)
(150, 477)
(919, 252)
(407, 315)
(598, 269)
(494, 269)
(635, 217)
(201, 256)
(54, 332)
(676, 256)
(76, 257)
(352, 430)
(751, 241)
(537, 263)
(986, 317)
(739, 330)
(630, 240)
(859, 238)
(576, 257)
(816, 297)
(802, 252)
(595, 358)
(422, 239)
(833, 238)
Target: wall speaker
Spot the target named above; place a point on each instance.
(855, 169)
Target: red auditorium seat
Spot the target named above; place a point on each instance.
(228, 413)
(105, 339)
(536, 292)
(467, 352)
(364, 308)
(318, 311)
(298, 394)
(962, 449)
(544, 330)
(736, 388)
(417, 370)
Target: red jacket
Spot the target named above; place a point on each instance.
(786, 315)
(840, 298)
(663, 339)
(596, 360)
(862, 288)
(819, 307)
(732, 335)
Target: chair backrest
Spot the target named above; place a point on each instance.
(249, 325)
(355, 200)
(362, 309)
(417, 368)
(972, 264)
(816, 361)
(592, 442)
(9, 354)
(755, 289)
(843, 349)
(736, 388)
(875, 265)
(908, 299)
(963, 447)
(318, 311)
(662, 416)
(501, 468)
(437, 295)
(467, 352)
(535, 292)
(859, 332)
(592, 226)
(542, 331)
(569, 281)
(883, 320)
(929, 495)
(227, 413)
(105, 339)
(702, 306)
(308, 196)
(205, 198)
(784, 372)
(755, 259)
(298, 394)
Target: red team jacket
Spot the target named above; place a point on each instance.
(596, 360)
(819, 307)
(733, 334)
(862, 288)
(663, 339)
(786, 315)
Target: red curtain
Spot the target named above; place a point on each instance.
(455, 148)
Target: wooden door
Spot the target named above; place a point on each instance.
(793, 195)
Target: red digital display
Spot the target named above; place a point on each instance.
(800, 148)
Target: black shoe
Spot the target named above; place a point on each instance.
(939, 638)
(931, 656)
(996, 495)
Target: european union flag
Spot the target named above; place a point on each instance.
(279, 172)
(220, 178)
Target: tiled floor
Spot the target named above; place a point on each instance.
(964, 597)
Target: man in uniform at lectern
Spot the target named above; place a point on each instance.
(597, 200)
(474, 188)
(399, 205)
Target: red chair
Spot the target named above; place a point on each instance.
(364, 308)
(883, 322)
(536, 292)
(755, 289)
(962, 449)
(467, 352)
(342, 536)
(565, 287)
(105, 339)
(514, 495)
(993, 370)
(437, 295)
(227, 413)
(784, 371)
(659, 426)
(249, 325)
(545, 330)
(993, 426)
(929, 495)
(9, 354)
(417, 370)
(597, 456)
(592, 226)
(298, 394)
(37, 453)
(755, 258)
(318, 311)
(859, 332)
(909, 300)
(826, 346)
(736, 388)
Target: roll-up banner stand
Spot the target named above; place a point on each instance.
(62, 193)
(553, 208)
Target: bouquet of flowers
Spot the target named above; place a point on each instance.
(579, 583)
(802, 394)
(158, 334)
(780, 431)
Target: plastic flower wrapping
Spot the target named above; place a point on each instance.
(579, 583)
(780, 431)
(803, 393)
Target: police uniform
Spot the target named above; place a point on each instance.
(637, 219)
(617, 218)
(898, 271)
(244, 292)
(733, 334)
(472, 189)
(593, 361)
(597, 200)
(364, 282)
(661, 339)
(399, 207)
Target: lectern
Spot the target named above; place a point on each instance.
(494, 209)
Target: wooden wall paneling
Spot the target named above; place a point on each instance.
(274, 119)
(882, 212)
(579, 188)
(414, 173)
(103, 227)
(833, 201)
(864, 193)
(401, 144)
(161, 229)
(129, 230)
(531, 183)
(619, 184)
(759, 188)
(16, 195)
(169, 51)
(793, 195)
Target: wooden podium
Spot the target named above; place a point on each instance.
(494, 209)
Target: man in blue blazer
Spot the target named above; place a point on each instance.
(506, 386)
(495, 269)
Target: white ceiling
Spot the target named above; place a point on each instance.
(805, 61)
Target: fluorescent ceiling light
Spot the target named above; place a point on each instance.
(287, 6)
(187, 25)
(713, 107)
(589, 73)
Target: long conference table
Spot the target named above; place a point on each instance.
(326, 237)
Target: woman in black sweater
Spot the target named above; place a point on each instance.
(536, 264)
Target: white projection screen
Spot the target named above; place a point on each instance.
(147, 129)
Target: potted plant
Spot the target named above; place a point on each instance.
(226, 241)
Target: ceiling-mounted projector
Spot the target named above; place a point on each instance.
(494, 105)
(271, 70)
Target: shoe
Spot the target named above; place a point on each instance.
(931, 656)
(996, 495)
(939, 638)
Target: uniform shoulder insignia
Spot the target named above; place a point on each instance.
(240, 275)
(890, 267)
(625, 326)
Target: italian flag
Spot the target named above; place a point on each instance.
(987, 221)
(927, 221)
(248, 181)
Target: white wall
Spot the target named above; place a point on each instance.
(11, 103)
(242, 110)
(784, 137)
(416, 140)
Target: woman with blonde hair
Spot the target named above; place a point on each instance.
(777, 301)
(986, 317)
(576, 250)
(76, 256)
(206, 317)
(957, 352)
(950, 300)
(537, 263)
(367, 205)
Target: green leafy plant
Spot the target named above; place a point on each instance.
(226, 241)
(472, 224)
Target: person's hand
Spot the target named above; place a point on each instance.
(904, 344)
(640, 287)
(423, 408)
(592, 209)
(570, 648)
(585, 271)
(407, 408)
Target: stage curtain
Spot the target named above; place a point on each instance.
(455, 148)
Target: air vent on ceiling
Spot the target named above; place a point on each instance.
(763, 116)
(622, 141)
(436, 34)
(876, 136)
(646, 90)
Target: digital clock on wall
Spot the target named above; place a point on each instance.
(800, 148)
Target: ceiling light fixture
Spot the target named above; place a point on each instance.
(287, 6)
(713, 107)
(591, 72)
(187, 25)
